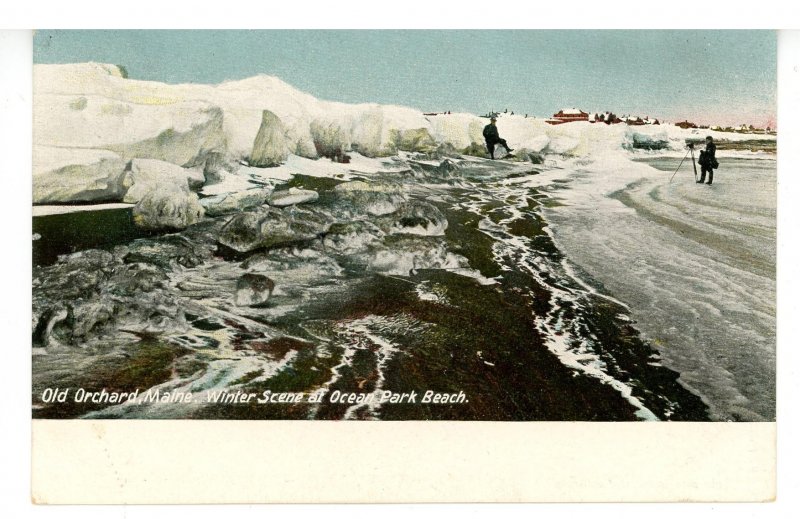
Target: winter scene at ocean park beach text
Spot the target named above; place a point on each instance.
(347, 233)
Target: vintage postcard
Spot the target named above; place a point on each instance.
(323, 226)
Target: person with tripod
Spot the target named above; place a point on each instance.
(708, 161)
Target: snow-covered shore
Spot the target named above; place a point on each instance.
(90, 122)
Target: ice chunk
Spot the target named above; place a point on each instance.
(253, 289)
(76, 175)
(410, 253)
(268, 227)
(170, 207)
(416, 217)
(234, 202)
(292, 196)
(269, 148)
(148, 175)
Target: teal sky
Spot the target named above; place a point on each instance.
(714, 77)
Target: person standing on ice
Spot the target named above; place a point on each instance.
(492, 137)
(708, 161)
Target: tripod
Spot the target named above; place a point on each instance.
(691, 150)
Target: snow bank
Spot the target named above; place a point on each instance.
(174, 132)
(93, 105)
(460, 130)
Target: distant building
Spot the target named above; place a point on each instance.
(568, 115)
(633, 121)
(573, 114)
(686, 125)
(606, 117)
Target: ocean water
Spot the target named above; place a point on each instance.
(530, 301)
(695, 264)
(57, 234)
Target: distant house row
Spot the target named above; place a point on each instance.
(569, 115)
(738, 129)
(743, 129)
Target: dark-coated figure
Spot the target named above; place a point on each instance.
(708, 161)
(492, 137)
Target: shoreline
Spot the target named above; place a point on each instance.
(662, 253)
(483, 334)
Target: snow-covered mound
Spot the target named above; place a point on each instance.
(90, 121)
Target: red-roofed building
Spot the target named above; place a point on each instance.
(568, 116)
